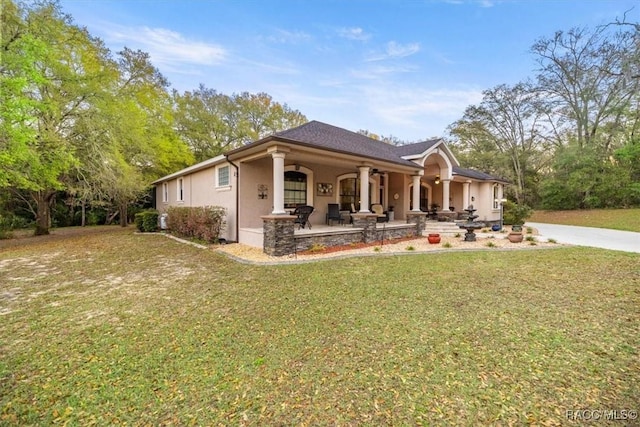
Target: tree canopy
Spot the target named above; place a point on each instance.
(567, 139)
(211, 122)
(80, 123)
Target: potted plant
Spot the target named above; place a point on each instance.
(515, 236)
(515, 215)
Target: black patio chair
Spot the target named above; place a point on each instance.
(333, 214)
(302, 213)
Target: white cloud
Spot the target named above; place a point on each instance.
(406, 111)
(394, 50)
(167, 47)
(289, 37)
(354, 33)
(487, 3)
(378, 71)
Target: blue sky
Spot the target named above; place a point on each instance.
(406, 68)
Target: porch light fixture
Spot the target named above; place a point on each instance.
(437, 179)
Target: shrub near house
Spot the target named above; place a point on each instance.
(203, 223)
(147, 221)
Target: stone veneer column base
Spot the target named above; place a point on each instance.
(419, 219)
(366, 221)
(278, 234)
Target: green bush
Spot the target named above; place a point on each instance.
(5, 228)
(515, 214)
(146, 221)
(10, 222)
(204, 223)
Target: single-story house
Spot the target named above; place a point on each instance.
(317, 164)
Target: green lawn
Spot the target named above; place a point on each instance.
(112, 328)
(617, 219)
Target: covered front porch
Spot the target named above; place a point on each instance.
(284, 176)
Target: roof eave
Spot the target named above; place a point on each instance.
(191, 169)
(235, 154)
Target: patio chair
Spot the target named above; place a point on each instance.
(333, 214)
(302, 213)
(382, 215)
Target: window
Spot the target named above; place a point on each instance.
(165, 192)
(349, 193)
(223, 176)
(295, 189)
(180, 189)
(496, 196)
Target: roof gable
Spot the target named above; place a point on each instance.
(417, 148)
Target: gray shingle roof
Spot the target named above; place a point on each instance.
(322, 135)
(472, 173)
(416, 148)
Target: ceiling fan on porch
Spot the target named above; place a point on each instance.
(376, 171)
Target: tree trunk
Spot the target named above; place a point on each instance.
(83, 221)
(43, 211)
(72, 211)
(123, 214)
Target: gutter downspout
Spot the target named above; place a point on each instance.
(237, 197)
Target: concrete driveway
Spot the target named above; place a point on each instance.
(627, 241)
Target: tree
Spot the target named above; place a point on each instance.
(74, 121)
(582, 80)
(505, 131)
(70, 71)
(211, 122)
(586, 79)
(130, 141)
(18, 111)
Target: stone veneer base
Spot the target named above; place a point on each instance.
(280, 240)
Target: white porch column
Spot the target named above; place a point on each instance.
(465, 194)
(416, 193)
(364, 189)
(445, 194)
(278, 183)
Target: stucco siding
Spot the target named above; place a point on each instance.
(199, 189)
(483, 192)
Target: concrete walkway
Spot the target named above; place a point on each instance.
(627, 241)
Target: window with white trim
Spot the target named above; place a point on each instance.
(165, 192)
(295, 189)
(223, 178)
(496, 196)
(180, 189)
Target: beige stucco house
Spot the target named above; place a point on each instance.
(318, 164)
